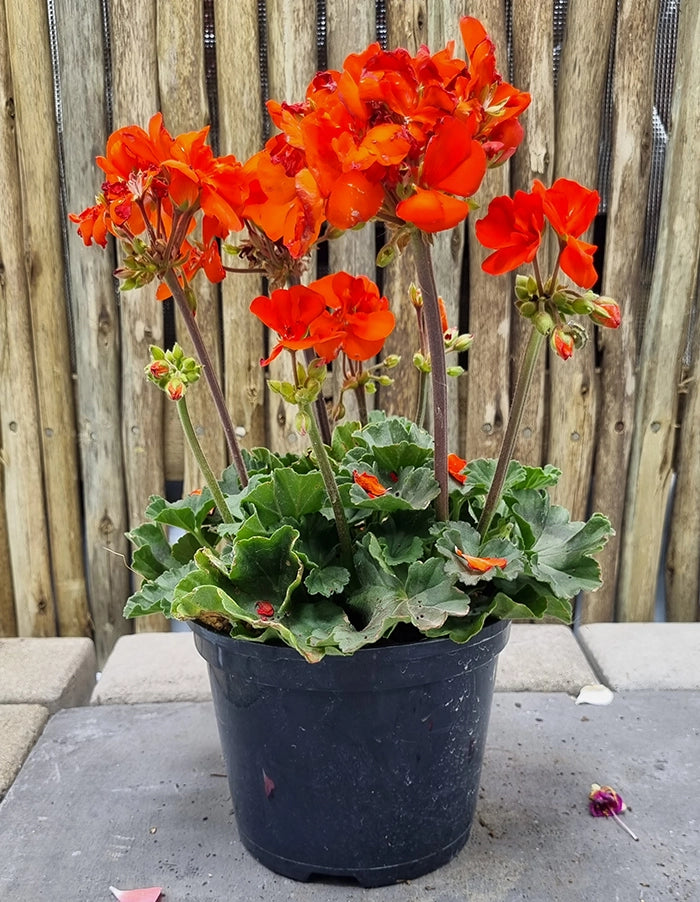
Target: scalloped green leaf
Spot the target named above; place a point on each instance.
(155, 596)
(465, 537)
(153, 554)
(186, 513)
(287, 496)
(327, 581)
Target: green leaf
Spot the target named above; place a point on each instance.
(156, 596)
(343, 440)
(465, 537)
(426, 599)
(327, 581)
(188, 513)
(460, 629)
(288, 496)
(153, 554)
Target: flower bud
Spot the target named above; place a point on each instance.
(463, 342)
(421, 362)
(525, 287)
(526, 308)
(455, 371)
(370, 388)
(175, 389)
(562, 342)
(606, 312)
(386, 255)
(157, 370)
(391, 361)
(543, 322)
(415, 295)
(385, 380)
(582, 306)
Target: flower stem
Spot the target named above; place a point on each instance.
(320, 404)
(516, 414)
(324, 465)
(202, 461)
(436, 346)
(422, 403)
(624, 826)
(209, 373)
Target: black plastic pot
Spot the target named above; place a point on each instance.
(365, 766)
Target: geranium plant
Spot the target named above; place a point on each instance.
(378, 532)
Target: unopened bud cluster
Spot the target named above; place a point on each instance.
(307, 388)
(172, 371)
(549, 314)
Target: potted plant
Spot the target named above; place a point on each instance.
(351, 599)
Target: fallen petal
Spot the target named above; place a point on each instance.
(595, 694)
(152, 894)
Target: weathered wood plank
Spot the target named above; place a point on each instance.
(573, 387)
(406, 27)
(349, 29)
(96, 326)
(682, 566)
(626, 215)
(240, 133)
(486, 401)
(532, 68)
(673, 288)
(20, 454)
(292, 62)
(28, 36)
(135, 99)
(8, 620)
(183, 102)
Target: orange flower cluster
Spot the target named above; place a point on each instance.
(154, 184)
(337, 313)
(406, 138)
(513, 228)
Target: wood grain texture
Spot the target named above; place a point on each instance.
(135, 100)
(292, 63)
(8, 619)
(673, 291)
(532, 68)
(20, 454)
(486, 402)
(43, 261)
(96, 326)
(406, 27)
(574, 385)
(183, 102)
(240, 133)
(629, 181)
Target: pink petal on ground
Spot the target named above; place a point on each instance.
(152, 894)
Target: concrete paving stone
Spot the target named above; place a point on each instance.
(20, 727)
(644, 655)
(133, 796)
(54, 672)
(542, 657)
(153, 667)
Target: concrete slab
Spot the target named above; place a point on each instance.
(542, 657)
(56, 673)
(20, 726)
(133, 796)
(644, 655)
(153, 667)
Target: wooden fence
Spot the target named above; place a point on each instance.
(85, 439)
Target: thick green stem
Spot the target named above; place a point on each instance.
(324, 465)
(209, 373)
(202, 461)
(422, 403)
(436, 346)
(516, 414)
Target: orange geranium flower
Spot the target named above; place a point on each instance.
(571, 209)
(455, 467)
(369, 483)
(359, 320)
(513, 226)
(290, 312)
(481, 564)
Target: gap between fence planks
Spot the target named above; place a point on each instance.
(673, 290)
(45, 278)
